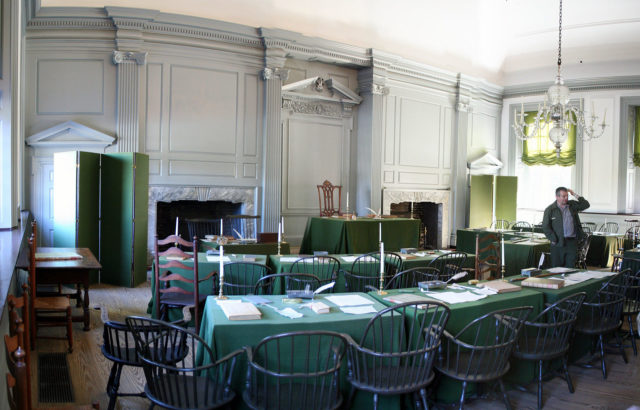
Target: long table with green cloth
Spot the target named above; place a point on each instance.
(602, 248)
(466, 238)
(225, 336)
(270, 248)
(341, 236)
(205, 267)
(448, 390)
(283, 263)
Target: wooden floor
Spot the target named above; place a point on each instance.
(90, 370)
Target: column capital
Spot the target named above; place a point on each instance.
(269, 73)
(122, 56)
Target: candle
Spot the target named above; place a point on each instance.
(380, 232)
(381, 258)
(347, 200)
(282, 224)
(279, 231)
(605, 117)
(221, 228)
(221, 263)
(176, 226)
(502, 251)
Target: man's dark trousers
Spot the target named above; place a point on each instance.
(565, 255)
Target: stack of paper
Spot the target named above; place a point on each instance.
(599, 274)
(55, 256)
(349, 300)
(501, 286)
(318, 307)
(289, 259)
(407, 297)
(216, 258)
(547, 283)
(358, 310)
(456, 297)
(240, 311)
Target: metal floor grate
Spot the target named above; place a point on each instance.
(54, 381)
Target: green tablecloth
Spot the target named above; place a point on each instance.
(204, 268)
(337, 235)
(448, 390)
(601, 249)
(631, 260)
(249, 248)
(280, 264)
(225, 336)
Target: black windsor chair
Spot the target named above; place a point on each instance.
(449, 264)
(364, 273)
(397, 351)
(170, 355)
(240, 278)
(326, 268)
(546, 337)
(280, 283)
(480, 352)
(296, 370)
(409, 278)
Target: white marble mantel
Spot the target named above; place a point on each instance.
(395, 196)
(170, 193)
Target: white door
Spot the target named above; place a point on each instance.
(43, 200)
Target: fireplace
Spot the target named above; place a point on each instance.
(167, 212)
(430, 216)
(235, 200)
(434, 202)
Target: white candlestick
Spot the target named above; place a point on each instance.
(381, 257)
(380, 232)
(279, 231)
(176, 226)
(221, 262)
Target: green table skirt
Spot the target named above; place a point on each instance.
(449, 390)
(341, 236)
(631, 260)
(225, 336)
(601, 250)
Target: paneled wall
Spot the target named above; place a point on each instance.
(202, 120)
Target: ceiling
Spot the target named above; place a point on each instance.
(503, 41)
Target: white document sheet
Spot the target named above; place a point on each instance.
(456, 297)
(216, 258)
(289, 259)
(358, 310)
(560, 269)
(349, 300)
(599, 274)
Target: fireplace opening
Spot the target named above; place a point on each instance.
(430, 216)
(166, 213)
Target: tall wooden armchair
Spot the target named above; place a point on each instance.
(326, 198)
(46, 311)
(177, 283)
(488, 256)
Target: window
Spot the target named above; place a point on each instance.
(539, 150)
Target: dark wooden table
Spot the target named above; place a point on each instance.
(69, 271)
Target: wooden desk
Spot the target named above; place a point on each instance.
(73, 271)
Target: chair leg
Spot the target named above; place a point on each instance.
(113, 384)
(621, 346)
(566, 374)
(504, 394)
(604, 365)
(69, 329)
(464, 387)
(633, 336)
(423, 396)
(539, 384)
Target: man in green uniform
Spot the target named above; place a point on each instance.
(561, 225)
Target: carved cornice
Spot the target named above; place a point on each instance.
(121, 56)
(630, 82)
(326, 109)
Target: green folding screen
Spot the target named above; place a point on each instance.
(492, 197)
(110, 207)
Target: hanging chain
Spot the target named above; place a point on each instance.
(560, 39)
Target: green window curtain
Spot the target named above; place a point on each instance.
(540, 151)
(636, 141)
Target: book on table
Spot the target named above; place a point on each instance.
(501, 286)
(548, 283)
(240, 311)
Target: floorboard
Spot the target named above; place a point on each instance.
(90, 370)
